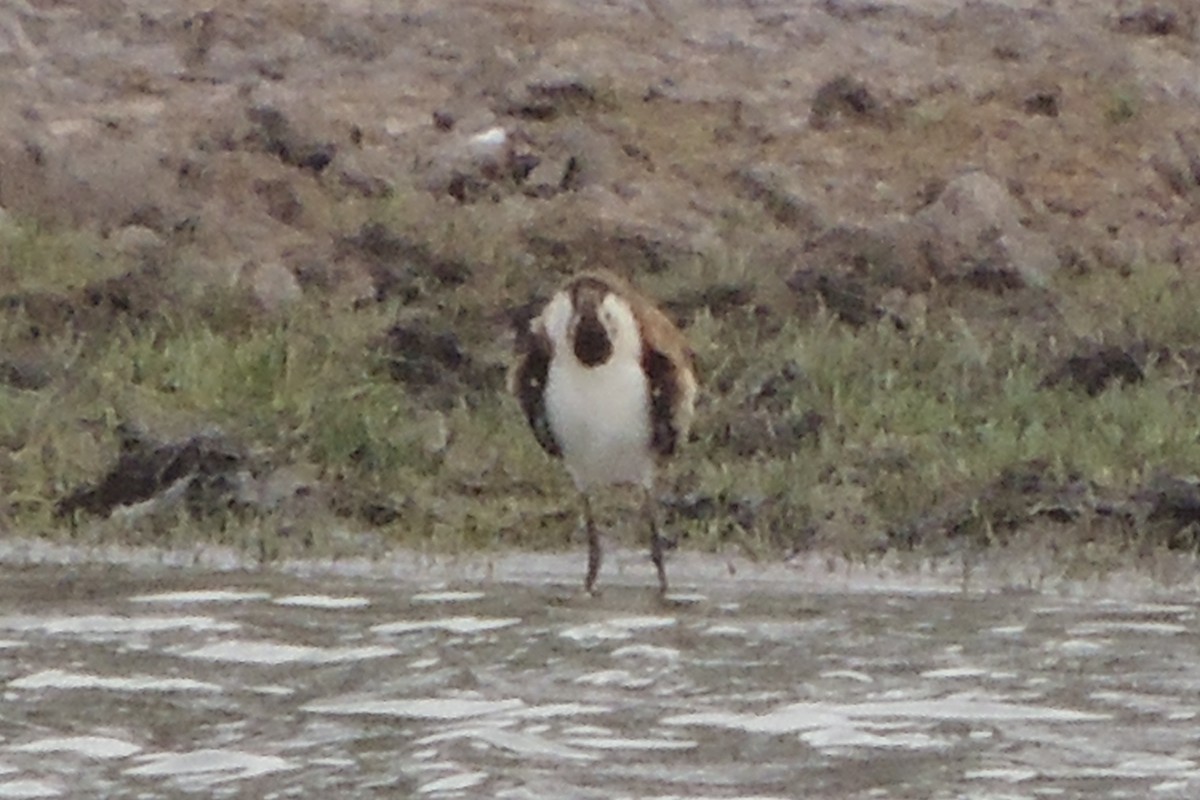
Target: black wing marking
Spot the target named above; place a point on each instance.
(530, 386)
(664, 394)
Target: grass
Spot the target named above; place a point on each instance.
(913, 422)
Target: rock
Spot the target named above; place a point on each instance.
(431, 360)
(274, 286)
(783, 197)
(83, 174)
(364, 184)
(572, 158)
(132, 299)
(274, 133)
(646, 229)
(422, 357)
(719, 298)
(1165, 18)
(473, 167)
(1045, 102)
(137, 242)
(973, 232)
(851, 300)
(278, 488)
(200, 468)
(995, 28)
(1179, 164)
(992, 512)
(281, 200)
(137, 297)
(548, 93)
(26, 371)
(399, 265)
(845, 100)
(863, 274)
(888, 254)
(41, 314)
(1096, 368)
(355, 39)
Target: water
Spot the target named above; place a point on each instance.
(148, 681)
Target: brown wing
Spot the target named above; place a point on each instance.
(528, 382)
(670, 369)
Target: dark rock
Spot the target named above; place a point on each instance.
(25, 372)
(42, 314)
(854, 10)
(432, 360)
(1154, 19)
(1043, 102)
(315, 158)
(1174, 496)
(281, 199)
(548, 95)
(379, 514)
(718, 298)
(200, 34)
(638, 251)
(467, 188)
(885, 256)
(1096, 368)
(136, 297)
(203, 468)
(421, 353)
(845, 100)
(399, 265)
(275, 134)
(524, 165)
(990, 277)
(364, 185)
(845, 296)
(355, 40)
(152, 217)
(1179, 164)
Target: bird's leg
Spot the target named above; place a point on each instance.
(594, 553)
(650, 509)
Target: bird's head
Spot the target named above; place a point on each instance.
(594, 321)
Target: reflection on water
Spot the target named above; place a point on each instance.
(140, 681)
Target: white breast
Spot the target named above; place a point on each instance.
(600, 417)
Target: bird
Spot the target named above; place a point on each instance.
(607, 383)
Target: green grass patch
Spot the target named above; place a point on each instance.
(912, 421)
